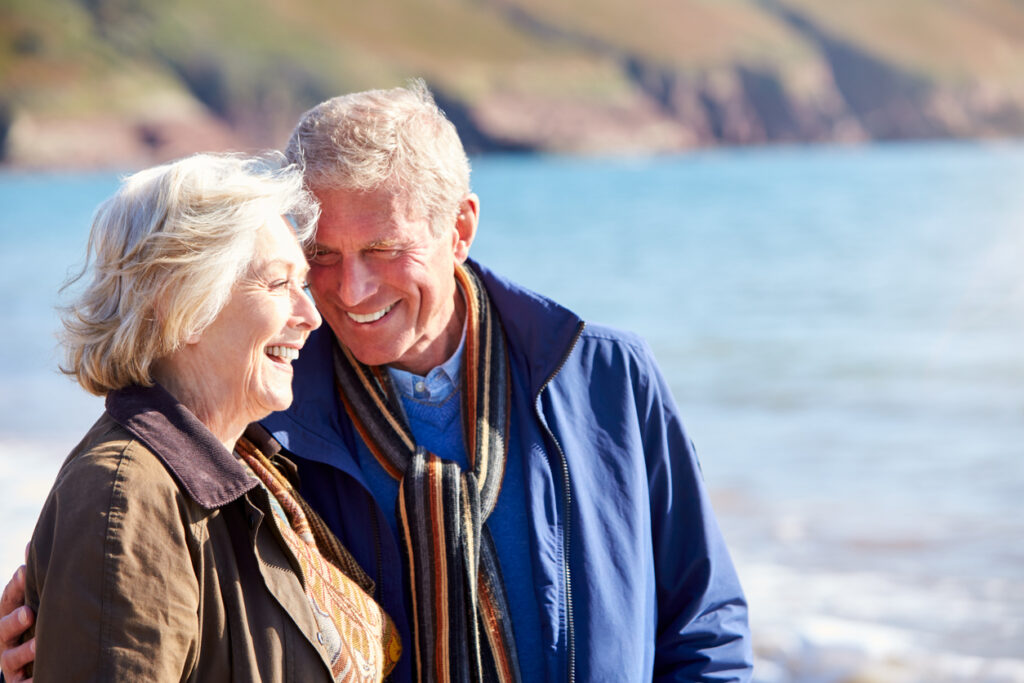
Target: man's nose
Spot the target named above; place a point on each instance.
(356, 281)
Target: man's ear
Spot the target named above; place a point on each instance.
(465, 226)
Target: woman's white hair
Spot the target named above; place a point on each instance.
(163, 255)
(396, 139)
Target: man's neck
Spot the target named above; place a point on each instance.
(444, 346)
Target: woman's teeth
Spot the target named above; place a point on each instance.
(370, 317)
(283, 352)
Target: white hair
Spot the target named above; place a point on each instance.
(163, 255)
(396, 139)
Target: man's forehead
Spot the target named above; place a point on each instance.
(345, 231)
(364, 219)
(335, 203)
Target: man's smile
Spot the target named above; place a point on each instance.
(363, 318)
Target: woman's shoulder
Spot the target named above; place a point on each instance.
(111, 488)
(111, 457)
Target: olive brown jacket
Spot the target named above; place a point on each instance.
(155, 559)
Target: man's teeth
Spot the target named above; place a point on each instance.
(285, 352)
(370, 317)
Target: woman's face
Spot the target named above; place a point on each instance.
(244, 357)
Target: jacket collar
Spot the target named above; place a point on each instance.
(539, 330)
(197, 460)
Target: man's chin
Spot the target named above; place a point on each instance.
(367, 354)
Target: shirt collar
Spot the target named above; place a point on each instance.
(438, 384)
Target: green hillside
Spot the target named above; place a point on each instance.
(86, 82)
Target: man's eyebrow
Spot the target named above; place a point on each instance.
(383, 242)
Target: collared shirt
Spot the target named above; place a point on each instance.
(440, 383)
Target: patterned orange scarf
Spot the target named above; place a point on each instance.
(359, 637)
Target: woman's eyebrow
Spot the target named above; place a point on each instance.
(276, 262)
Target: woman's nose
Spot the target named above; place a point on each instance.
(304, 311)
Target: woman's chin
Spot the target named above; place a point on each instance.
(270, 402)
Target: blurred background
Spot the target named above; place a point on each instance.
(812, 209)
(114, 82)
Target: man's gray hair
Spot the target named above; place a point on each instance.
(397, 139)
(163, 256)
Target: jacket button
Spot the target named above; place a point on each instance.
(252, 521)
(320, 637)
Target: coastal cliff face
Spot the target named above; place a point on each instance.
(112, 82)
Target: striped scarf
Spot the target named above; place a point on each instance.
(358, 637)
(462, 627)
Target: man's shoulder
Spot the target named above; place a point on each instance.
(609, 356)
(543, 306)
(515, 298)
(543, 330)
(599, 333)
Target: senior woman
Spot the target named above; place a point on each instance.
(173, 545)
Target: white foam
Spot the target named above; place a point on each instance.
(836, 626)
(829, 650)
(27, 470)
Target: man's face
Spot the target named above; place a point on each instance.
(384, 283)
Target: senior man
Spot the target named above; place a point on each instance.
(517, 483)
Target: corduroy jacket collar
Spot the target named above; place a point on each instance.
(202, 466)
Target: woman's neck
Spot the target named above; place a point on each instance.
(200, 397)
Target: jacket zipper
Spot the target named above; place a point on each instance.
(567, 511)
(378, 591)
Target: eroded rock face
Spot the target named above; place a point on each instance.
(843, 94)
(111, 141)
(728, 107)
(740, 106)
(629, 103)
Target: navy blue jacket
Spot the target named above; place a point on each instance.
(632, 576)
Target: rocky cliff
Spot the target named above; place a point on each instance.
(120, 82)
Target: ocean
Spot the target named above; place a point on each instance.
(842, 328)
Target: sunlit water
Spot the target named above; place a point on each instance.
(842, 329)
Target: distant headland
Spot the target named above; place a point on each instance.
(110, 83)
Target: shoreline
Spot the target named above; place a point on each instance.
(111, 142)
(798, 637)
